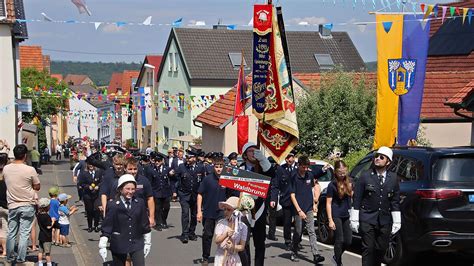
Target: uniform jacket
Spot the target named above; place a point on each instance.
(125, 227)
(280, 186)
(189, 178)
(374, 201)
(86, 179)
(160, 182)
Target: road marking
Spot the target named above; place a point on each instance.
(304, 238)
(326, 245)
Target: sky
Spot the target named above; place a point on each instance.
(82, 42)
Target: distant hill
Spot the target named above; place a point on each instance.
(99, 72)
(371, 66)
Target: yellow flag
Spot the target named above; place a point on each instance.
(389, 31)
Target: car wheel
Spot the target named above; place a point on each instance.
(396, 253)
(325, 234)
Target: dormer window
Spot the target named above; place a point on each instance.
(235, 59)
(324, 61)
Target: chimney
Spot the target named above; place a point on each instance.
(323, 31)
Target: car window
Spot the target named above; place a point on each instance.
(407, 168)
(361, 167)
(327, 177)
(454, 169)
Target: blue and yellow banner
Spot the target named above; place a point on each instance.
(402, 49)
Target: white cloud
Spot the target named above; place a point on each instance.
(308, 20)
(112, 28)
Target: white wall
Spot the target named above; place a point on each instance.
(89, 125)
(7, 87)
(127, 127)
(448, 134)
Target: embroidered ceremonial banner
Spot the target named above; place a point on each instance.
(262, 23)
(245, 181)
(242, 132)
(278, 130)
(402, 49)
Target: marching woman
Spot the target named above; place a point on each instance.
(89, 180)
(126, 226)
(230, 235)
(339, 195)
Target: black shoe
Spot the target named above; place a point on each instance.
(318, 259)
(294, 257)
(89, 229)
(274, 238)
(164, 226)
(204, 262)
(184, 240)
(159, 227)
(300, 247)
(288, 246)
(193, 237)
(97, 229)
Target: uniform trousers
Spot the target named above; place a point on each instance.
(188, 216)
(272, 213)
(162, 208)
(138, 258)
(259, 236)
(375, 240)
(92, 212)
(287, 217)
(209, 225)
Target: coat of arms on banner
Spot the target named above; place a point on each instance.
(401, 75)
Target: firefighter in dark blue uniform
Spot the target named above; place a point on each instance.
(90, 180)
(163, 189)
(376, 208)
(126, 226)
(189, 176)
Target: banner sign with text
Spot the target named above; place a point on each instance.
(245, 181)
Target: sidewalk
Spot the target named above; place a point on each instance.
(57, 173)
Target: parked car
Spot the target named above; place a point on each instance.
(437, 202)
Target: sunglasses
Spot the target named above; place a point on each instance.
(381, 156)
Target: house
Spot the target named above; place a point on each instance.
(450, 68)
(201, 64)
(463, 105)
(147, 113)
(12, 33)
(32, 57)
(121, 87)
(90, 115)
(59, 77)
(74, 79)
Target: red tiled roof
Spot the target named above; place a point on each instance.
(313, 80)
(436, 23)
(59, 77)
(219, 112)
(155, 60)
(127, 77)
(462, 94)
(31, 56)
(439, 87)
(73, 79)
(115, 83)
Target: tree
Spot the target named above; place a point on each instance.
(47, 96)
(341, 115)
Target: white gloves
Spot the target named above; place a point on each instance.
(354, 220)
(103, 247)
(263, 161)
(147, 240)
(397, 222)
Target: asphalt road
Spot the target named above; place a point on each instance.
(168, 250)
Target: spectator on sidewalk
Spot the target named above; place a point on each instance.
(59, 151)
(54, 213)
(22, 181)
(46, 232)
(64, 213)
(3, 206)
(35, 159)
(46, 155)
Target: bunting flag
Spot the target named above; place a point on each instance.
(278, 130)
(402, 54)
(81, 6)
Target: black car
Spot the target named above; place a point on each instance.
(437, 202)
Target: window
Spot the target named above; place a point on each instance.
(181, 102)
(166, 134)
(175, 66)
(454, 169)
(166, 100)
(180, 133)
(149, 136)
(149, 78)
(235, 59)
(324, 61)
(170, 61)
(119, 91)
(363, 166)
(406, 168)
(3, 10)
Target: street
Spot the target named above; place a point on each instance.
(166, 247)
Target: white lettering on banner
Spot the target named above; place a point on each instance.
(249, 190)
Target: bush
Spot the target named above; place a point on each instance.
(353, 158)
